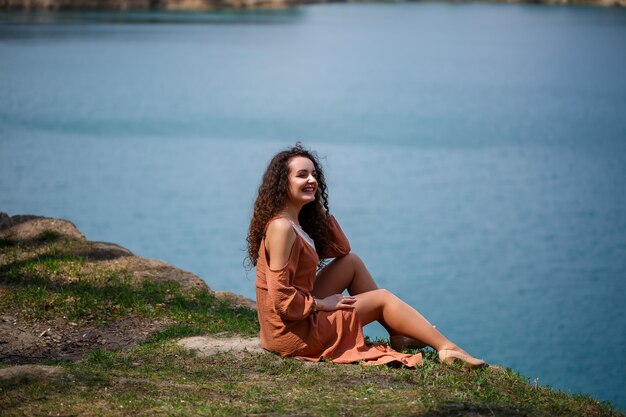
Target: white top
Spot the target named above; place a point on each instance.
(304, 234)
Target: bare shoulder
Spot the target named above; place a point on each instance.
(279, 239)
(279, 226)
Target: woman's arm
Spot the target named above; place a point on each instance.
(289, 302)
(335, 302)
(338, 245)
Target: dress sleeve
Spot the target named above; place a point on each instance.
(289, 302)
(338, 245)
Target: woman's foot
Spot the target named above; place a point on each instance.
(399, 342)
(449, 356)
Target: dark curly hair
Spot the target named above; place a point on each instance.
(272, 197)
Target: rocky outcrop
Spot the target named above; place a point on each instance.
(26, 237)
(31, 5)
(27, 230)
(195, 5)
(603, 3)
(28, 227)
(74, 4)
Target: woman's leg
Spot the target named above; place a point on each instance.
(344, 273)
(404, 319)
(349, 272)
(400, 318)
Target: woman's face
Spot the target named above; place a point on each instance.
(302, 180)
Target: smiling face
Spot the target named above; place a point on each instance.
(302, 181)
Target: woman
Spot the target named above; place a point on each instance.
(302, 312)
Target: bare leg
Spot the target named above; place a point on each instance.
(345, 273)
(404, 319)
(349, 272)
(401, 318)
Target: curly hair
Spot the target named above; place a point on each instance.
(272, 198)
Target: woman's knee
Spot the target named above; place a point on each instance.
(354, 259)
(387, 298)
(383, 296)
(372, 303)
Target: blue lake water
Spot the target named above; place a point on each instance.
(476, 154)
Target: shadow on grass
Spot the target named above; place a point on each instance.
(90, 251)
(43, 238)
(453, 409)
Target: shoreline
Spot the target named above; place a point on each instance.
(224, 5)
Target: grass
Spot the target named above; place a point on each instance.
(56, 283)
(110, 296)
(156, 377)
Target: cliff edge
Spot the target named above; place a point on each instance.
(88, 328)
(64, 296)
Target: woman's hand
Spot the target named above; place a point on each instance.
(335, 302)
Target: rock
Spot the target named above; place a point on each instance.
(237, 300)
(31, 229)
(140, 4)
(63, 339)
(23, 374)
(5, 220)
(208, 345)
(74, 4)
(36, 5)
(143, 269)
(97, 251)
(28, 228)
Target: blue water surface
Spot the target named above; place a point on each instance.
(476, 154)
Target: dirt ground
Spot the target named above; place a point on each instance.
(22, 343)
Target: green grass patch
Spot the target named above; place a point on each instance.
(55, 284)
(156, 377)
(50, 282)
(193, 312)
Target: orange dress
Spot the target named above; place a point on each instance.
(291, 327)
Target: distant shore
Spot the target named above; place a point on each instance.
(202, 5)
